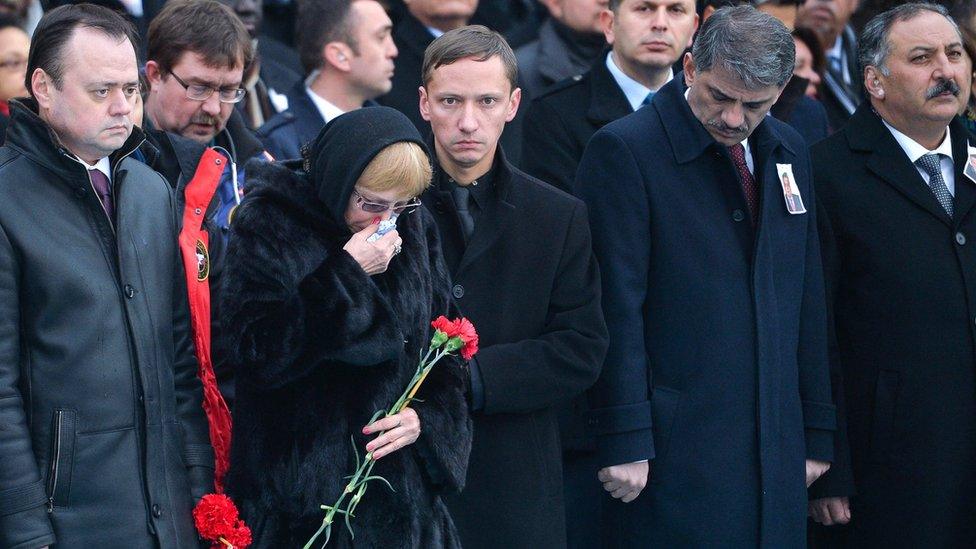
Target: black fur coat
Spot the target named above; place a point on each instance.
(318, 347)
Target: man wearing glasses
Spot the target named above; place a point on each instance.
(197, 53)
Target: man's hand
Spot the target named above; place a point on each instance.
(830, 511)
(626, 481)
(815, 469)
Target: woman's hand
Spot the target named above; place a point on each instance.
(401, 430)
(373, 257)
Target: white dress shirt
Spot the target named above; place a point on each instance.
(915, 151)
(325, 108)
(634, 91)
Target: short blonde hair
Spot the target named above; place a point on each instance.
(402, 165)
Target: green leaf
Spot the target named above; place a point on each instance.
(377, 477)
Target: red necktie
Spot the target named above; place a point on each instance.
(749, 188)
(100, 182)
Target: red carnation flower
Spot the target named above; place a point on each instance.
(218, 521)
(465, 330)
(443, 324)
(239, 537)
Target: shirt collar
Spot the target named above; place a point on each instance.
(634, 91)
(435, 32)
(479, 188)
(325, 108)
(103, 165)
(914, 150)
(837, 50)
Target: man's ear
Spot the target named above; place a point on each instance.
(424, 104)
(606, 23)
(689, 69)
(513, 105)
(41, 85)
(338, 55)
(874, 82)
(154, 75)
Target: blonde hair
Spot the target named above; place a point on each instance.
(402, 165)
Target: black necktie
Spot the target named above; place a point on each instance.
(462, 197)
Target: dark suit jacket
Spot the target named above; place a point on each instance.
(542, 341)
(561, 121)
(838, 98)
(717, 368)
(411, 38)
(902, 276)
(285, 133)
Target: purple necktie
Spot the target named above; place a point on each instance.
(749, 188)
(104, 191)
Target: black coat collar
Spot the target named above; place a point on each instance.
(867, 133)
(607, 100)
(414, 35)
(307, 118)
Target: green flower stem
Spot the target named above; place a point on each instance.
(360, 479)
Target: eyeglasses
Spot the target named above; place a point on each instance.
(378, 207)
(202, 92)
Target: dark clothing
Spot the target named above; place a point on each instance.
(321, 346)
(411, 38)
(902, 276)
(839, 98)
(561, 121)
(805, 114)
(284, 135)
(542, 340)
(99, 398)
(728, 423)
(558, 54)
(285, 61)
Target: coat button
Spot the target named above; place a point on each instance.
(960, 239)
(129, 291)
(738, 215)
(157, 511)
(458, 291)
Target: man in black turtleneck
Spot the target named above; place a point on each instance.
(567, 45)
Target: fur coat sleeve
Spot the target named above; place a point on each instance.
(282, 284)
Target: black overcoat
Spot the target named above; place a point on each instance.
(529, 282)
(319, 346)
(717, 368)
(903, 275)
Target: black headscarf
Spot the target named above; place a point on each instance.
(346, 145)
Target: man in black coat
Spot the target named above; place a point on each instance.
(559, 123)
(524, 272)
(348, 52)
(103, 441)
(902, 274)
(841, 89)
(421, 22)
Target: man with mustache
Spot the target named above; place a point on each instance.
(520, 256)
(103, 439)
(898, 219)
(713, 411)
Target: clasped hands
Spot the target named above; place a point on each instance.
(626, 481)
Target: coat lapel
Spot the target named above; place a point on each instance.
(888, 161)
(607, 100)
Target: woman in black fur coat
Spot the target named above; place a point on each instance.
(324, 328)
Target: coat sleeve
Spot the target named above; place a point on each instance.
(445, 424)
(24, 522)
(288, 304)
(839, 480)
(612, 185)
(564, 359)
(198, 452)
(548, 151)
(819, 418)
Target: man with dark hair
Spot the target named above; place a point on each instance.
(647, 38)
(842, 82)
(716, 386)
(568, 43)
(197, 53)
(347, 49)
(542, 333)
(104, 440)
(898, 205)
(272, 72)
(421, 23)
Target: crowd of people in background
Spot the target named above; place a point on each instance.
(719, 255)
